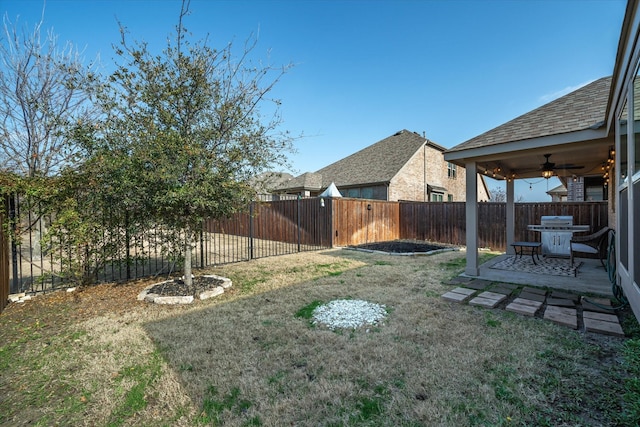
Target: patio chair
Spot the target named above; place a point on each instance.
(595, 243)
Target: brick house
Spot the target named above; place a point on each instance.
(403, 166)
(558, 194)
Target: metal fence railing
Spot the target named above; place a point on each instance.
(266, 229)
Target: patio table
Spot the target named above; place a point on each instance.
(535, 246)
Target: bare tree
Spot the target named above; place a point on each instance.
(498, 195)
(42, 97)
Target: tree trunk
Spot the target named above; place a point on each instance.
(187, 257)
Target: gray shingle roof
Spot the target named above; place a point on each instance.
(306, 181)
(579, 110)
(376, 163)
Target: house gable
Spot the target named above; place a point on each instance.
(375, 164)
(403, 166)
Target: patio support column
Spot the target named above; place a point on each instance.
(471, 206)
(511, 217)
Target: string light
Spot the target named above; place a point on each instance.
(606, 166)
(534, 182)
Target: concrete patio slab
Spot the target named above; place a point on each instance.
(599, 305)
(600, 316)
(477, 284)
(565, 295)
(502, 290)
(524, 306)
(534, 290)
(562, 316)
(561, 302)
(603, 327)
(458, 295)
(488, 299)
(532, 297)
(507, 286)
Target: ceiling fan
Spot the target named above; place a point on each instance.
(549, 168)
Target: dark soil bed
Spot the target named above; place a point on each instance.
(401, 246)
(177, 287)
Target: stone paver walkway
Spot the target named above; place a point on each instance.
(563, 308)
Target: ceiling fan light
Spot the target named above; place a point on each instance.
(547, 167)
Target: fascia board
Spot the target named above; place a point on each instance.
(626, 57)
(500, 150)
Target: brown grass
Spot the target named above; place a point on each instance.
(245, 359)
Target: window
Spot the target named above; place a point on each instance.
(449, 197)
(353, 192)
(367, 193)
(452, 171)
(595, 189)
(436, 197)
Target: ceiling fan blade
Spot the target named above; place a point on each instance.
(569, 166)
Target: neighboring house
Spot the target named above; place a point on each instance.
(404, 166)
(266, 182)
(558, 194)
(585, 133)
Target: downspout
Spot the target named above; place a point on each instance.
(424, 172)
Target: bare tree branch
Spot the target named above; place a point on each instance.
(42, 96)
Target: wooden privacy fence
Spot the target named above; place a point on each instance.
(302, 223)
(348, 222)
(445, 222)
(357, 221)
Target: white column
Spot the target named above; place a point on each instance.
(511, 217)
(472, 219)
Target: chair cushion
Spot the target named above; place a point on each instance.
(581, 247)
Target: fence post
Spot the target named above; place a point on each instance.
(251, 230)
(15, 285)
(298, 214)
(127, 239)
(202, 246)
(329, 225)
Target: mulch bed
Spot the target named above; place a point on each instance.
(177, 287)
(399, 246)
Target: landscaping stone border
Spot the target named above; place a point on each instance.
(145, 295)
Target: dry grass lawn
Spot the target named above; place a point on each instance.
(99, 357)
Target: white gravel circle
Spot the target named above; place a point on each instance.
(348, 314)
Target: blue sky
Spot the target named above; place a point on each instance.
(366, 69)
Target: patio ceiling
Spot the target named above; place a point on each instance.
(524, 159)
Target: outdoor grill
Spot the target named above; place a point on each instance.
(556, 232)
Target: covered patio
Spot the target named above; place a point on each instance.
(591, 278)
(566, 138)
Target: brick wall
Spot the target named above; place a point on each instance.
(428, 167)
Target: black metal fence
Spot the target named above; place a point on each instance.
(264, 231)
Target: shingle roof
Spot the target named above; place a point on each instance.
(306, 181)
(579, 110)
(560, 189)
(376, 163)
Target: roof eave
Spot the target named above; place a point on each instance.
(626, 44)
(363, 184)
(497, 151)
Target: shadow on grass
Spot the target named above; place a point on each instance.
(251, 361)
